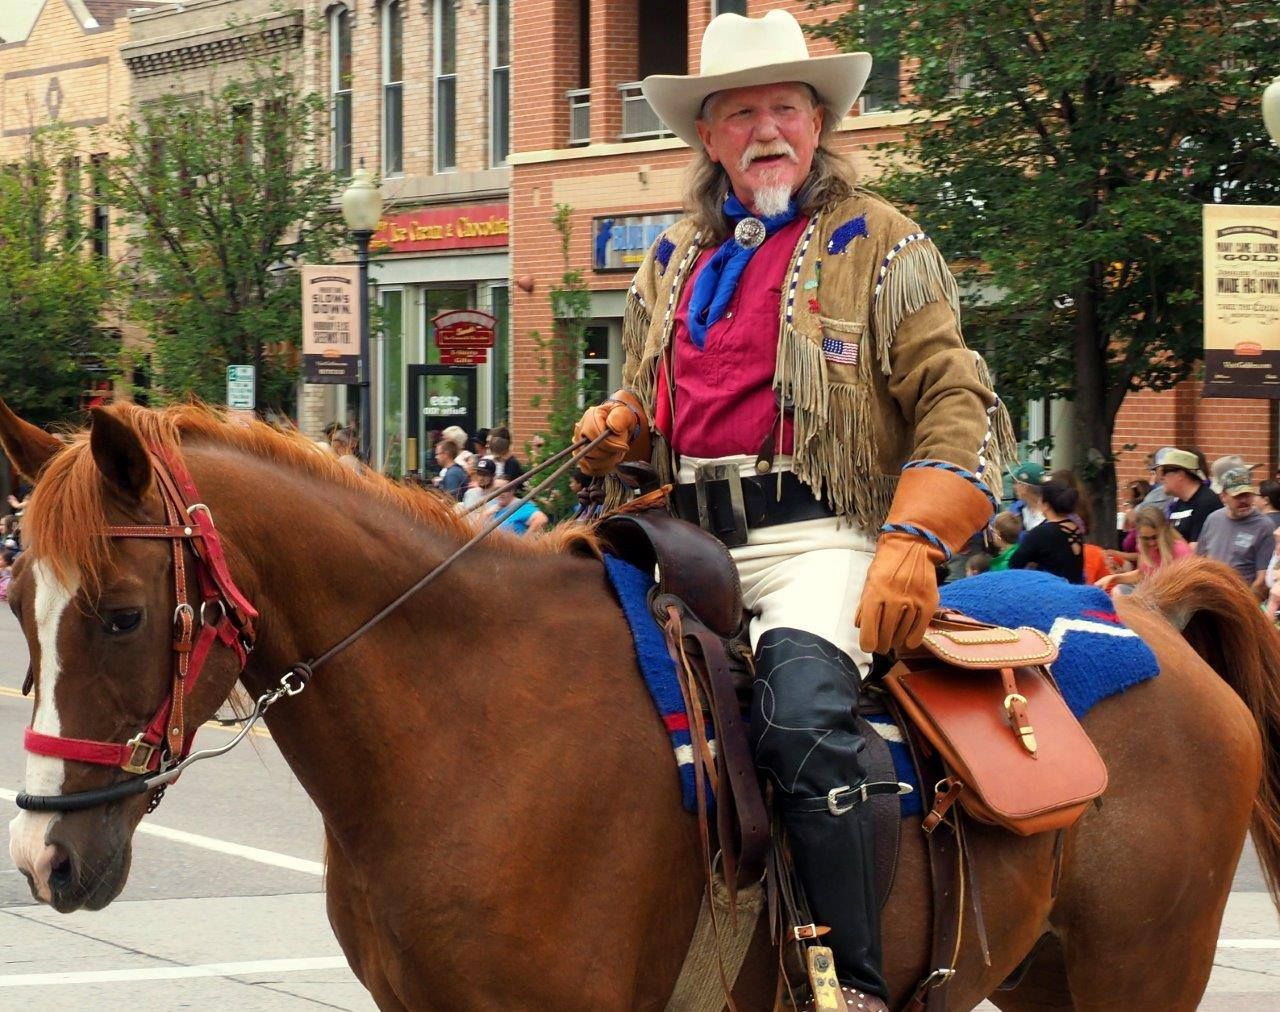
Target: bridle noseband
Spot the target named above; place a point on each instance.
(223, 615)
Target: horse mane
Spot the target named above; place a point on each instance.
(67, 515)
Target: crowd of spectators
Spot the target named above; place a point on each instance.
(1187, 507)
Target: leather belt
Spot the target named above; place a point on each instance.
(727, 505)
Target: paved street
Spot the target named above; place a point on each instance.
(224, 906)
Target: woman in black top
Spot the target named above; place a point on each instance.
(1057, 545)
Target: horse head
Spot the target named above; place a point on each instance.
(101, 613)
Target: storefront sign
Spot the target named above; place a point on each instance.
(464, 336)
(621, 241)
(331, 324)
(1241, 301)
(428, 229)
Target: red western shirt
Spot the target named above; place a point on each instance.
(725, 402)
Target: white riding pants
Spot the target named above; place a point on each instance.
(807, 575)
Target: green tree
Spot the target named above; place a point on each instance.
(1066, 152)
(560, 360)
(223, 195)
(54, 293)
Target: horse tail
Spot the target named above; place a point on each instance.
(1221, 620)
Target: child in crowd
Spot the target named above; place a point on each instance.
(978, 562)
(1006, 529)
(6, 573)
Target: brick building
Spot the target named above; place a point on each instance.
(420, 95)
(583, 136)
(67, 69)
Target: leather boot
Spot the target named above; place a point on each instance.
(804, 736)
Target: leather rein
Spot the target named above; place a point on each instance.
(157, 755)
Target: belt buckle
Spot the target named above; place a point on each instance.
(703, 474)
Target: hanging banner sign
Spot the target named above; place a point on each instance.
(331, 324)
(464, 336)
(1241, 301)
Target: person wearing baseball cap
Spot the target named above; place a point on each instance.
(1028, 478)
(1238, 534)
(483, 471)
(1231, 462)
(795, 342)
(1192, 500)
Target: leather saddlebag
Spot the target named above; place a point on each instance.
(983, 699)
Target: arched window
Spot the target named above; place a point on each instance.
(340, 89)
(392, 88)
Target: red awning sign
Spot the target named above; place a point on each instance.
(459, 329)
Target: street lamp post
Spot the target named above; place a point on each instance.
(362, 210)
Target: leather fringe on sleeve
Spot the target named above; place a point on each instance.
(912, 275)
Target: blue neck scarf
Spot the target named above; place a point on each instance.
(716, 282)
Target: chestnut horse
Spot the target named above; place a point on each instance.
(503, 825)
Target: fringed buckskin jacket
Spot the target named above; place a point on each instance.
(870, 359)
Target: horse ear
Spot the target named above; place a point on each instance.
(26, 445)
(119, 454)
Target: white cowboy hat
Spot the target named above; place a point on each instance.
(739, 52)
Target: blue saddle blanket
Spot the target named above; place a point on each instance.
(659, 670)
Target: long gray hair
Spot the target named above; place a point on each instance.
(831, 178)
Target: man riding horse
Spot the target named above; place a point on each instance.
(795, 343)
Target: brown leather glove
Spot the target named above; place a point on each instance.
(901, 592)
(623, 417)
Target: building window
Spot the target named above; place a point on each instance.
(392, 89)
(500, 83)
(275, 153)
(101, 215)
(73, 207)
(729, 7)
(601, 362)
(390, 452)
(500, 360)
(340, 88)
(882, 89)
(242, 131)
(446, 50)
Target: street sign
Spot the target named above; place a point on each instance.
(240, 388)
(331, 324)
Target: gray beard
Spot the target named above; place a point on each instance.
(772, 200)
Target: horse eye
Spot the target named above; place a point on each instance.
(123, 621)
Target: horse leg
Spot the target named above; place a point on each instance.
(1146, 879)
(1043, 987)
(351, 918)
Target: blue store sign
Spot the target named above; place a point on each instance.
(621, 241)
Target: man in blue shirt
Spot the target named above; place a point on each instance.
(527, 518)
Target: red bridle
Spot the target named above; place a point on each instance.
(225, 616)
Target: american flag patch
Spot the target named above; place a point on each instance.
(836, 350)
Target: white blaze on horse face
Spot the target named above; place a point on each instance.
(45, 775)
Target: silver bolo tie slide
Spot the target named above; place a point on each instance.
(749, 233)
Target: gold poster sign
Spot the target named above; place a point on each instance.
(1241, 301)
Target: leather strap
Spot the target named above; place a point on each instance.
(931, 993)
(734, 755)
